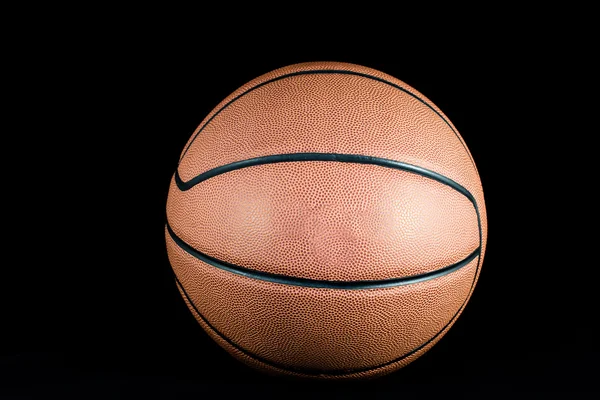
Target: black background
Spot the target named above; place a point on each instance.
(92, 310)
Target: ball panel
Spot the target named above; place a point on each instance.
(326, 220)
(308, 67)
(346, 114)
(324, 329)
(271, 369)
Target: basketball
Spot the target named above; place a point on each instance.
(326, 220)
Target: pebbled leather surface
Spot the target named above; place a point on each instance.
(339, 375)
(327, 220)
(330, 330)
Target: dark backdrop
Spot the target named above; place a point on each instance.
(93, 311)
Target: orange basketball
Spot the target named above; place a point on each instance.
(326, 220)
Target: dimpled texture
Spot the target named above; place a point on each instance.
(327, 221)
(332, 330)
(360, 222)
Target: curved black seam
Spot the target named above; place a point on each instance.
(317, 283)
(296, 157)
(329, 71)
(312, 371)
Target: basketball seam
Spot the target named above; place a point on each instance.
(328, 157)
(331, 71)
(314, 371)
(319, 283)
